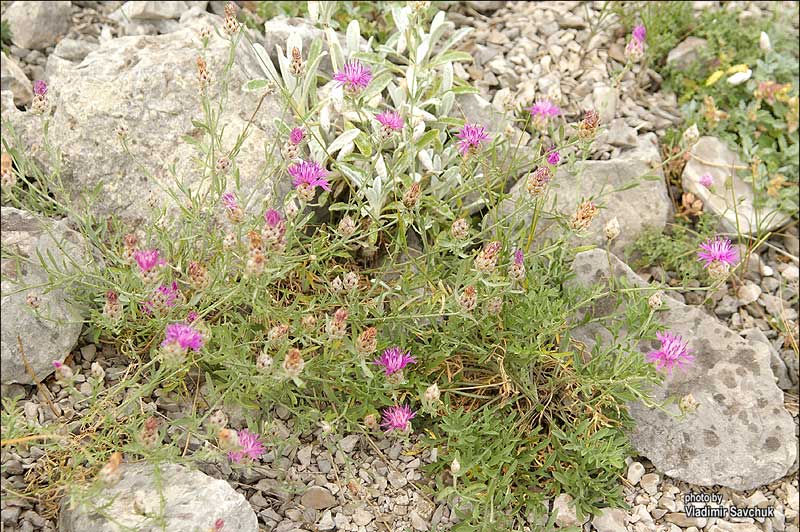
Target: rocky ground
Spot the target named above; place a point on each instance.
(318, 480)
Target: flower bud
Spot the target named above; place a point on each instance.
(764, 42)
(468, 298)
(494, 305)
(486, 261)
(690, 136)
(688, 403)
(655, 302)
(110, 473)
(611, 230)
(264, 361)
(371, 422)
(367, 341)
(347, 227)
(64, 373)
(460, 229)
(431, 397)
(293, 363)
(217, 420)
(455, 467)
(583, 217)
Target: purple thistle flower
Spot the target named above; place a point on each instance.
(165, 295)
(674, 351)
(296, 136)
(40, 88)
(472, 136)
(229, 200)
(391, 120)
(272, 217)
(544, 109)
(639, 33)
(184, 335)
(519, 257)
(397, 418)
(706, 180)
(148, 259)
(192, 316)
(309, 173)
(353, 76)
(718, 249)
(553, 157)
(249, 445)
(394, 360)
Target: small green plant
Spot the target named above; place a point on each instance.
(5, 35)
(667, 24)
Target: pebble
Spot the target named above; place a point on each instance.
(397, 479)
(635, 472)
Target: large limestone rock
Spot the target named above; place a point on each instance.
(712, 156)
(37, 25)
(52, 331)
(686, 53)
(165, 497)
(13, 79)
(740, 436)
(645, 205)
(149, 84)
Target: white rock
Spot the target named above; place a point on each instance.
(683, 55)
(611, 520)
(37, 25)
(740, 77)
(605, 103)
(650, 482)
(13, 79)
(326, 522)
(748, 293)
(362, 517)
(635, 472)
(567, 515)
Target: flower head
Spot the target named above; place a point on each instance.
(674, 351)
(309, 173)
(183, 335)
(40, 88)
(472, 136)
(706, 180)
(250, 446)
(639, 33)
(553, 157)
(544, 109)
(397, 418)
(272, 217)
(353, 76)
(519, 257)
(634, 50)
(148, 259)
(717, 249)
(229, 200)
(296, 136)
(390, 120)
(394, 360)
(164, 297)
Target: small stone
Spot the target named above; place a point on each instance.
(304, 455)
(397, 479)
(635, 473)
(611, 520)
(683, 521)
(13, 79)
(318, 498)
(650, 483)
(362, 517)
(748, 293)
(417, 522)
(326, 522)
(349, 443)
(566, 511)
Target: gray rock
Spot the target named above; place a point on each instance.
(567, 516)
(162, 10)
(748, 293)
(13, 79)
(712, 156)
(37, 25)
(645, 205)
(397, 479)
(74, 49)
(485, 6)
(150, 85)
(173, 498)
(777, 364)
(605, 103)
(318, 498)
(650, 482)
(618, 134)
(635, 473)
(326, 521)
(348, 443)
(53, 333)
(726, 306)
(686, 53)
(610, 520)
(740, 407)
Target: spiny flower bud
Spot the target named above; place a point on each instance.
(203, 75)
(517, 270)
(347, 227)
(337, 325)
(198, 276)
(205, 34)
(371, 422)
(486, 261)
(350, 281)
(278, 333)
(455, 467)
(33, 300)
(538, 180)
(149, 435)
(460, 229)
(110, 473)
(291, 209)
(612, 230)
(255, 240)
(430, 399)
(64, 374)
(217, 420)
(264, 361)
(494, 305)
(228, 439)
(337, 285)
(690, 136)
(7, 176)
(654, 301)
(367, 341)
(293, 363)
(308, 322)
(688, 403)
(468, 299)
(231, 24)
(583, 216)
(296, 67)
(588, 126)
(229, 241)
(255, 263)
(129, 243)
(412, 195)
(112, 310)
(718, 270)
(122, 131)
(223, 164)
(39, 105)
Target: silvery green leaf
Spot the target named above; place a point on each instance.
(421, 113)
(353, 36)
(310, 79)
(343, 140)
(380, 167)
(316, 149)
(266, 63)
(437, 27)
(411, 80)
(447, 77)
(289, 81)
(397, 95)
(355, 175)
(419, 130)
(256, 85)
(425, 160)
(325, 118)
(447, 103)
(401, 44)
(457, 36)
(313, 11)
(422, 50)
(377, 85)
(400, 17)
(294, 41)
(335, 49)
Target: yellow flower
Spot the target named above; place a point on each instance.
(737, 68)
(715, 77)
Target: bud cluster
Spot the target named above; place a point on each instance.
(583, 216)
(337, 324)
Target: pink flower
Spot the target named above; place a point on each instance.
(544, 109)
(229, 200)
(472, 136)
(717, 249)
(706, 180)
(394, 360)
(148, 259)
(249, 446)
(390, 120)
(640, 33)
(397, 418)
(353, 76)
(192, 316)
(634, 50)
(296, 136)
(553, 157)
(183, 335)
(165, 296)
(40, 88)
(674, 351)
(309, 173)
(272, 217)
(519, 257)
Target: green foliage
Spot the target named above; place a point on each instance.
(675, 250)
(5, 34)
(667, 23)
